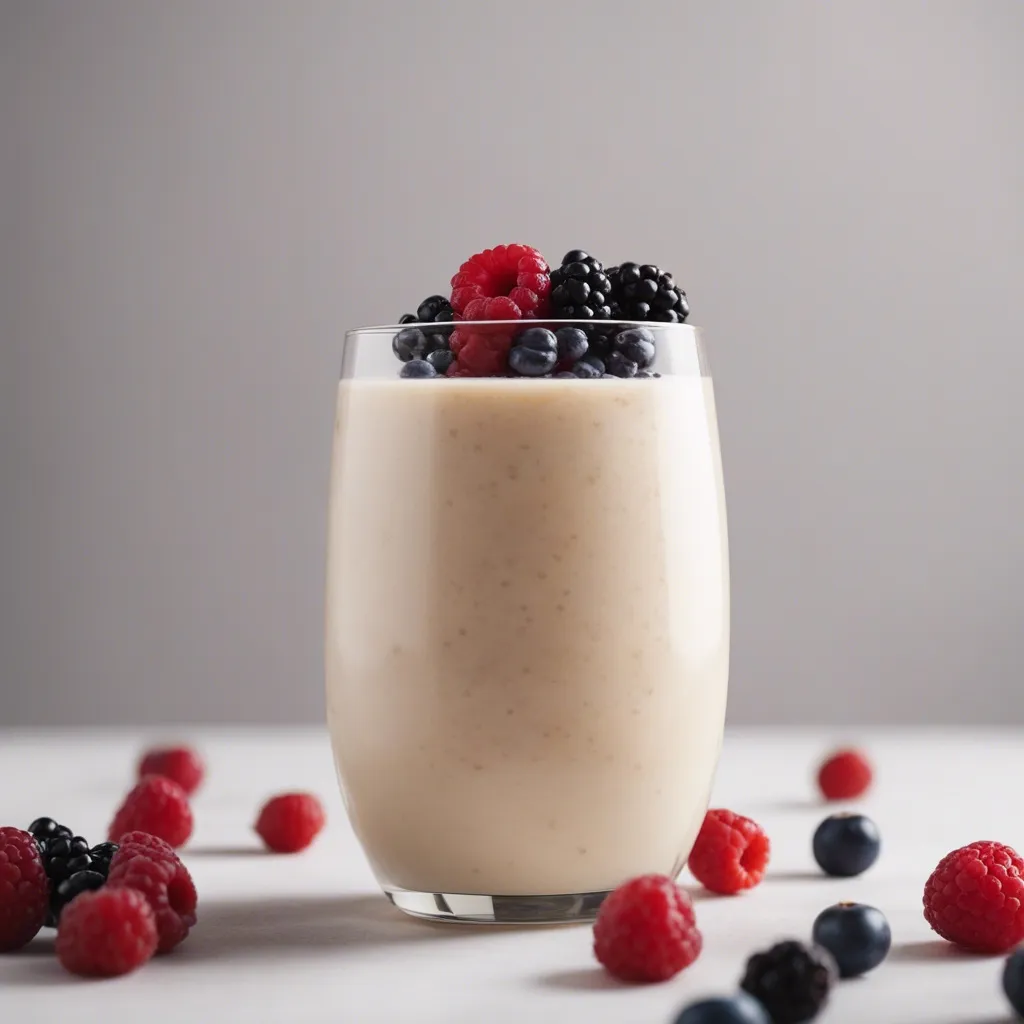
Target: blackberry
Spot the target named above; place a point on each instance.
(72, 886)
(428, 330)
(644, 292)
(792, 981)
(580, 288)
(70, 865)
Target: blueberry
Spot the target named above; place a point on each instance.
(738, 1009)
(589, 367)
(619, 366)
(409, 344)
(1013, 980)
(534, 352)
(440, 359)
(846, 844)
(43, 828)
(572, 344)
(418, 368)
(637, 345)
(430, 307)
(857, 936)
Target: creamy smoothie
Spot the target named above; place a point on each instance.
(527, 628)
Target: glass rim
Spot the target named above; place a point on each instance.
(435, 325)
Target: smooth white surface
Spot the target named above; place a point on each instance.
(309, 938)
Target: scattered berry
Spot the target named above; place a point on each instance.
(791, 980)
(106, 933)
(637, 344)
(508, 282)
(580, 288)
(857, 936)
(24, 889)
(643, 292)
(846, 844)
(975, 898)
(158, 806)
(738, 1009)
(180, 764)
(165, 882)
(136, 842)
(1013, 980)
(588, 368)
(844, 775)
(646, 930)
(421, 368)
(534, 352)
(290, 822)
(730, 854)
(83, 880)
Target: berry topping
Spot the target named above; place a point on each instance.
(791, 981)
(617, 365)
(637, 345)
(1013, 980)
(419, 368)
(845, 775)
(24, 889)
(534, 352)
(165, 882)
(646, 930)
(106, 933)
(645, 293)
(580, 288)
(975, 898)
(290, 822)
(589, 368)
(738, 1009)
(730, 854)
(158, 806)
(572, 345)
(857, 936)
(179, 764)
(480, 352)
(846, 844)
(508, 282)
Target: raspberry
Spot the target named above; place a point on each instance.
(24, 889)
(156, 805)
(106, 933)
(731, 853)
(646, 930)
(179, 764)
(482, 352)
(165, 882)
(975, 898)
(507, 282)
(290, 822)
(844, 775)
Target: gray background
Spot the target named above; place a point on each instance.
(197, 197)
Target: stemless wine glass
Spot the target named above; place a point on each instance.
(527, 622)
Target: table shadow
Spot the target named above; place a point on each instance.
(225, 851)
(582, 979)
(928, 951)
(796, 875)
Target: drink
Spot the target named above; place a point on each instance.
(527, 632)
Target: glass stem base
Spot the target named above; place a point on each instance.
(471, 908)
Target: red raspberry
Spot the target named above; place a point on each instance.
(24, 889)
(107, 932)
(507, 282)
(731, 853)
(844, 775)
(132, 843)
(975, 898)
(158, 806)
(480, 353)
(165, 882)
(646, 930)
(179, 764)
(290, 822)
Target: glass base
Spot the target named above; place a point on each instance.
(468, 908)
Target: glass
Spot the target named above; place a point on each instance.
(527, 620)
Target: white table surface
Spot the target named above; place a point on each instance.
(308, 937)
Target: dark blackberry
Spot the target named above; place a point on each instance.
(71, 866)
(644, 292)
(74, 885)
(791, 980)
(580, 288)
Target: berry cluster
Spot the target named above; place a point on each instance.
(72, 866)
(500, 287)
